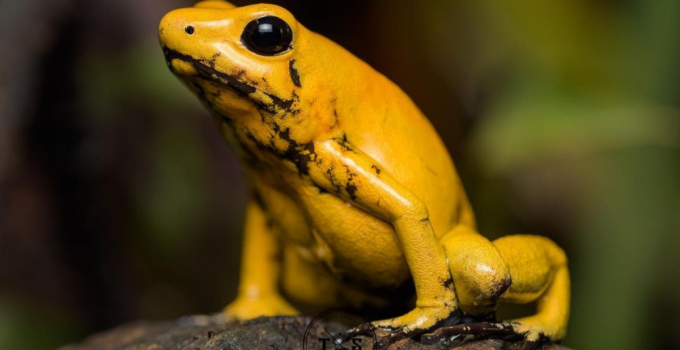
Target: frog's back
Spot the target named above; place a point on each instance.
(382, 121)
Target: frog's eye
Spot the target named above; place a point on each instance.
(267, 36)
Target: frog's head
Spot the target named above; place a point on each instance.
(239, 60)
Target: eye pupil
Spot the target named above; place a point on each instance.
(189, 30)
(267, 36)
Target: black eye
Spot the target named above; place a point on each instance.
(189, 30)
(267, 36)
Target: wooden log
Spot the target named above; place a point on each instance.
(266, 333)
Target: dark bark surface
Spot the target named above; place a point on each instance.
(266, 333)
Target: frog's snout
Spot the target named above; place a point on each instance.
(180, 29)
(178, 22)
(173, 28)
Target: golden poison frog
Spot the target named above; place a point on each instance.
(355, 201)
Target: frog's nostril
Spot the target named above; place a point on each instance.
(189, 30)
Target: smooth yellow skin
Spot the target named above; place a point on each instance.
(354, 196)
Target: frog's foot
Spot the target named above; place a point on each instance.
(244, 308)
(412, 324)
(460, 333)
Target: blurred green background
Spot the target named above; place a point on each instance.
(119, 201)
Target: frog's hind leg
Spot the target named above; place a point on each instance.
(538, 269)
(539, 273)
(480, 273)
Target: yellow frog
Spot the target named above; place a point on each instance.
(355, 200)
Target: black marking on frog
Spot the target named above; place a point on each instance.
(351, 186)
(294, 75)
(284, 105)
(207, 70)
(376, 169)
(259, 144)
(351, 189)
(301, 154)
(263, 118)
(500, 288)
(447, 283)
(330, 174)
(213, 59)
(335, 118)
(344, 144)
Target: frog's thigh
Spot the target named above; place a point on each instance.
(539, 273)
(311, 286)
(480, 274)
(306, 282)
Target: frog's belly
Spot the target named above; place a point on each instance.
(354, 246)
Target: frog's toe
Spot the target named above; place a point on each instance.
(244, 308)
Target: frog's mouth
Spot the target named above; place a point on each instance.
(206, 70)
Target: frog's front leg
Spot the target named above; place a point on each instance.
(258, 293)
(341, 169)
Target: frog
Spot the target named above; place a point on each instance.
(354, 199)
